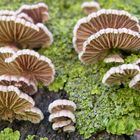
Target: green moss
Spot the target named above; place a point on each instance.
(116, 108)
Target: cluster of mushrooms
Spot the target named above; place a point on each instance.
(105, 35)
(61, 114)
(21, 69)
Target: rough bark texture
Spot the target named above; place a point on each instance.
(43, 98)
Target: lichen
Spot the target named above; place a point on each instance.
(115, 109)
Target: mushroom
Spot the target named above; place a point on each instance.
(38, 12)
(25, 17)
(20, 33)
(90, 7)
(21, 83)
(102, 19)
(102, 44)
(62, 113)
(61, 104)
(33, 115)
(69, 128)
(12, 102)
(135, 82)
(7, 13)
(32, 66)
(120, 74)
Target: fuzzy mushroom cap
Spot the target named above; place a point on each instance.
(33, 115)
(25, 17)
(120, 74)
(114, 58)
(102, 19)
(62, 115)
(7, 13)
(21, 83)
(59, 124)
(135, 82)
(38, 12)
(30, 64)
(12, 102)
(100, 44)
(69, 128)
(90, 7)
(5, 52)
(59, 105)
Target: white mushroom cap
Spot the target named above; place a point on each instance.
(62, 114)
(69, 128)
(25, 17)
(135, 82)
(90, 4)
(37, 67)
(114, 58)
(60, 124)
(119, 74)
(91, 24)
(7, 13)
(60, 104)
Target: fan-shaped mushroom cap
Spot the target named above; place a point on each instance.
(90, 7)
(120, 74)
(33, 115)
(99, 45)
(21, 83)
(135, 82)
(60, 124)
(7, 13)
(60, 104)
(43, 37)
(102, 19)
(114, 58)
(69, 128)
(12, 102)
(33, 66)
(25, 17)
(62, 114)
(38, 12)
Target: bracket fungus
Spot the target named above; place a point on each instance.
(38, 12)
(32, 66)
(17, 105)
(62, 115)
(89, 7)
(120, 74)
(22, 83)
(101, 44)
(21, 33)
(102, 19)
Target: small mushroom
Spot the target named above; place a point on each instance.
(69, 128)
(102, 19)
(21, 83)
(33, 115)
(114, 58)
(32, 66)
(62, 114)
(135, 82)
(101, 44)
(62, 104)
(38, 12)
(13, 102)
(120, 74)
(90, 7)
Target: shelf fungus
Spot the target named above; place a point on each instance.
(20, 33)
(22, 83)
(102, 19)
(101, 45)
(120, 74)
(89, 7)
(38, 12)
(62, 115)
(33, 66)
